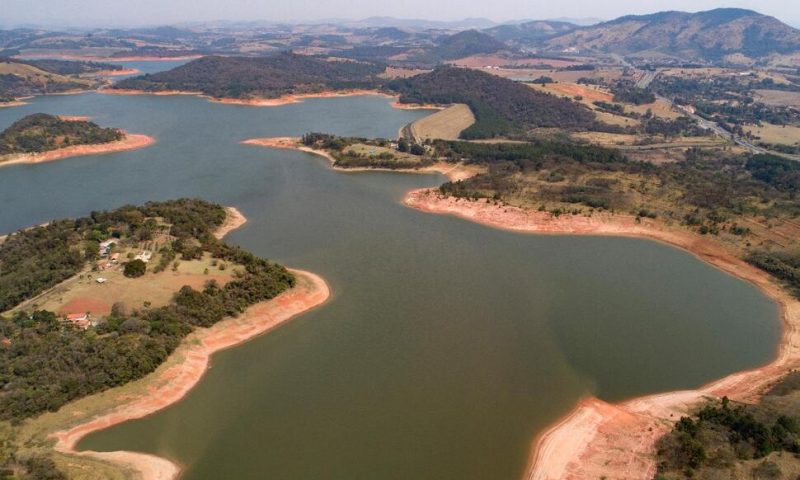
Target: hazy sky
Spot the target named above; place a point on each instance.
(160, 12)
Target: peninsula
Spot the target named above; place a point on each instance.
(165, 245)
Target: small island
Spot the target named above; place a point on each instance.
(129, 303)
(42, 137)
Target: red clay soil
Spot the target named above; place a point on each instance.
(85, 304)
(601, 440)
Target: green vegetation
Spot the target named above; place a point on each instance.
(502, 107)
(723, 440)
(630, 94)
(352, 152)
(135, 268)
(41, 132)
(47, 363)
(264, 77)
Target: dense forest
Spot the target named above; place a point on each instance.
(723, 439)
(502, 107)
(267, 77)
(41, 132)
(45, 363)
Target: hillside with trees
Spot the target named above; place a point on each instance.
(728, 440)
(41, 132)
(502, 107)
(262, 77)
(25, 78)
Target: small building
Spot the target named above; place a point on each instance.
(144, 256)
(80, 320)
(105, 246)
(114, 257)
(101, 280)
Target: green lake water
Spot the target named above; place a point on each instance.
(446, 346)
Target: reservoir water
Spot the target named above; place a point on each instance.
(446, 346)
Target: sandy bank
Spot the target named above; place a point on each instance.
(75, 118)
(15, 103)
(418, 106)
(116, 73)
(276, 102)
(130, 142)
(169, 385)
(95, 58)
(452, 171)
(233, 220)
(598, 439)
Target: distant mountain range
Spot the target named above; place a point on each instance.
(715, 35)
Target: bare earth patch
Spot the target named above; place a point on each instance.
(446, 124)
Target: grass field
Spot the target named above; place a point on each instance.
(82, 293)
(769, 133)
(365, 150)
(778, 98)
(446, 124)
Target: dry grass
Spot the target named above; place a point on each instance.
(446, 124)
(769, 133)
(82, 293)
(779, 98)
(36, 75)
(375, 151)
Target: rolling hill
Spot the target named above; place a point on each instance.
(502, 107)
(262, 77)
(22, 79)
(530, 33)
(715, 35)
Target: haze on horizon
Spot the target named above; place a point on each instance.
(128, 13)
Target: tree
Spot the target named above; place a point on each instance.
(417, 149)
(402, 145)
(135, 268)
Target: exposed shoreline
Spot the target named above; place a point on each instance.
(116, 73)
(598, 439)
(233, 220)
(187, 365)
(90, 58)
(453, 172)
(132, 141)
(278, 101)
